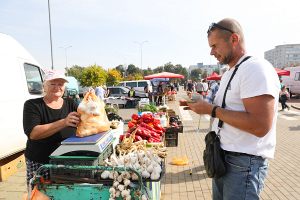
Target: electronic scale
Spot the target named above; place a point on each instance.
(84, 146)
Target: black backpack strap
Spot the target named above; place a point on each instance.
(224, 97)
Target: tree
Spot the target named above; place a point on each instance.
(120, 68)
(132, 69)
(94, 75)
(217, 71)
(74, 71)
(204, 75)
(158, 69)
(147, 72)
(195, 74)
(291, 65)
(113, 77)
(133, 77)
(169, 67)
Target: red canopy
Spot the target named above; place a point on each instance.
(164, 75)
(282, 72)
(214, 76)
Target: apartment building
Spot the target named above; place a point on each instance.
(283, 54)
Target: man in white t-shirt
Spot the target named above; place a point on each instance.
(248, 134)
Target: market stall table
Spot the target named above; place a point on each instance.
(114, 100)
(158, 95)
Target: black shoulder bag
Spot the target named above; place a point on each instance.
(213, 155)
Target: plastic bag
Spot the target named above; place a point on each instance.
(93, 116)
(202, 93)
(180, 161)
(36, 195)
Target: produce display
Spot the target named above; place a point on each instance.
(114, 124)
(93, 116)
(147, 128)
(149, 107)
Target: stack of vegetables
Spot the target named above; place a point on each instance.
(148, 128)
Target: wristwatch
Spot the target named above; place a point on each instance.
(213, 112)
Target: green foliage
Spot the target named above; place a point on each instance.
(132, 69)
(150, 108)
(204, 75)
(112, 108)
(158, 69)
(195, 74)
(169, 67)
(74, 71)
(120, 68)
(113, 77)
(217, 71)
(93, 75)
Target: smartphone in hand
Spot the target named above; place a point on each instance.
(189, 100)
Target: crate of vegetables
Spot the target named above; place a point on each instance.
(148, 128)
(175, 127)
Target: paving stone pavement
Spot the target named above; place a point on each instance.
(282, 182)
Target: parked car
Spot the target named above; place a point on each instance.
(123, 92)
(138, 85)
(292, 82)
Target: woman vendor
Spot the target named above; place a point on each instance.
(47, 121)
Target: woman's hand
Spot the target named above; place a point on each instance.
(72, 119)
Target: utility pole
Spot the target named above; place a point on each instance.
(66, 57)
(141, 55)
(50, 33)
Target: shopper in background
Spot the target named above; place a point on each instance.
(284, 96)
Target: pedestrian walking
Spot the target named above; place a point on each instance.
(205, 88)
(199, 87)
(284, 95)
(100, 92)
(248, 134)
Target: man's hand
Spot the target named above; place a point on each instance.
(200, 107)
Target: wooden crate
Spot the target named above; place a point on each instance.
(11, 164)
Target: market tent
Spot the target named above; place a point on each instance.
(282, 72)
(159, 79)
(214, 76)
(164, 75)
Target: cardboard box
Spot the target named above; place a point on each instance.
(171, 112)
(171, 98)
(11, 164)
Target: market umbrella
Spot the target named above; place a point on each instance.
(164, 75)
(282, 72)
(214, 76)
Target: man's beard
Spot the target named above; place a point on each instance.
(227, 59)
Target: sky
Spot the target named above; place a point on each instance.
(103, 32)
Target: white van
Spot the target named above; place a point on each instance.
(292, 82)
(20, 78)
(138, 85)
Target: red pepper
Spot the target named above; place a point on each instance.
(155, 135)
(122, 136)
(137, 138)
(135, 117)
(130, 130)
(160, 132)
(146, 118)
(143, 132)
(156, 121)
(153, 140)
(158, 127)
(131, 124)
(147, 126)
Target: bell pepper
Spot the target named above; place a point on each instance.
(153, 140)
(160, 132)
(146, 118)
(135, 117)
(122, 137)
(130, 130)
(147, 126)
(137, 138)
(134, 121)
(153, 134)
(131, 124)
(156, 121)
(143, 132)
(150, 124)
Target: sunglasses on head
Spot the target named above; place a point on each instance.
(218, 26)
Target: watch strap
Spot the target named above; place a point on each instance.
(213, 112)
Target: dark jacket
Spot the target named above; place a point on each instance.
(133, 94)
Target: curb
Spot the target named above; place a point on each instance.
(295, 107)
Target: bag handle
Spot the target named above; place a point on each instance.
(224, 97)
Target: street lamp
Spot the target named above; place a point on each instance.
(66, 56)
(141, 55)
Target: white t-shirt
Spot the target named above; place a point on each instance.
(205, 86)
(254, 77)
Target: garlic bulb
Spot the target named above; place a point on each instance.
(125, 193)
(125, 175)
(158, 169)
(121, 187)
(144, 197)
(116, 183)
(118, 193)
(126, 182)
(128, 197)
(137, 166)
(134, 177)
(119, 179)
(113, 196)
(150, 168)
(112, 175)
(157, 158)
(105, 174)
(155, 175)
(112, 190)
(145, 174)
(133, 160)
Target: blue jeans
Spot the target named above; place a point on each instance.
(244, 178)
